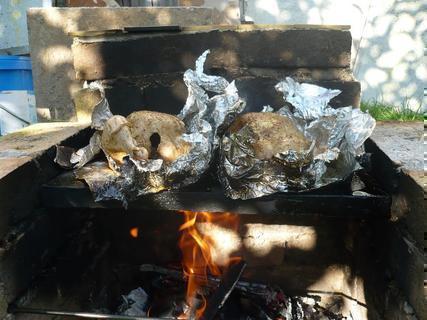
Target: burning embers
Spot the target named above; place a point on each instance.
(200, 254)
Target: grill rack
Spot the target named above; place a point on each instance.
(335, 200)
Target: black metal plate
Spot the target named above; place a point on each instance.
(336, 200)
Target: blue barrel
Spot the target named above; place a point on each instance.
(15, 73)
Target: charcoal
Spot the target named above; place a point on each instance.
(248, 300)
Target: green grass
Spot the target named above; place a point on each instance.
(384, 112)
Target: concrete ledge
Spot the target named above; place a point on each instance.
(403, 144)
(31, 142)
(26, 162)
(257, 46)
(53, 71)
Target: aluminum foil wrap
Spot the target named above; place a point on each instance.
(204, 117)
(337, 137)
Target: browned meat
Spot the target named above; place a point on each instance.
(271, 133)
(144, 135)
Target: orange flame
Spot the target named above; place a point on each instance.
(134, 232)
(197, 253)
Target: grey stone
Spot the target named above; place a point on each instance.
(233, 46)
(50, 44)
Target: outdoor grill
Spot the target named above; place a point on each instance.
(317, 245)
(115, 250)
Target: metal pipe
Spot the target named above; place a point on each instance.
(14, 114)
(86, 315)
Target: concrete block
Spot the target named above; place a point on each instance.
(228, 10)
(261, 240)
(397, 164)
(85, 101)
(53, 71)
(168, 93)
(239, 47)
(258, 244)
(398, 146)
(407, 264)
(92, 3)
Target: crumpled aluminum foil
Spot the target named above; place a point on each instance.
(337, 137)
(204, 117)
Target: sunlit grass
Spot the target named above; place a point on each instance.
(384, 112)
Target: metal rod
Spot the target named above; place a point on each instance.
(221, 294)
(86, 315)
(253, 287)
(14, 114)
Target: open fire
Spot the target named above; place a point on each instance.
(198, 255)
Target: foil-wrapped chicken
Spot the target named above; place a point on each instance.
(270, 134)
(303, 145)
(144, 135)
(150, 151)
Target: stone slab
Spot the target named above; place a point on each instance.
(50, 44)
(233, 46)
(26, 162)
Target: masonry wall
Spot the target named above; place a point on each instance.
(388, 40)
(54, 76)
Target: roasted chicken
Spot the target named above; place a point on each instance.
(270, 133)
(144, 135)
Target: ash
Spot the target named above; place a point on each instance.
(164, 297)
